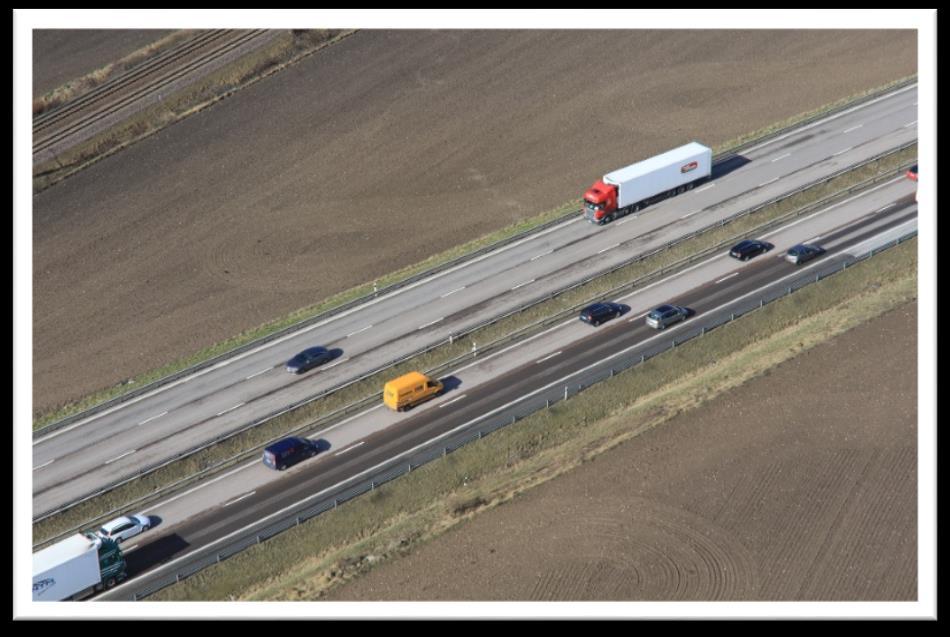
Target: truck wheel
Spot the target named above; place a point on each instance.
(689, 186)
(110, 582)
(610, 218)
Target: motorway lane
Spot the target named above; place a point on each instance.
(76, 461)
(250, 494)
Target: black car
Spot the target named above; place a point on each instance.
(745, 250)
(288, 451)
(803, 252)
(308, 359)
(599, 312)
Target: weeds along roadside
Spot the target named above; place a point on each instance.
(78, 406)
(310, 559)
(241, 447)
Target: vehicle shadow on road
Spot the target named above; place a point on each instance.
(726, 166)
(450, 383)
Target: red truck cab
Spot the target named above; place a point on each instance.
(600, 200)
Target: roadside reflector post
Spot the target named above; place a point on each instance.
(732, 316)
(375, 289)
(702, 331)
(474, 349)
(565, 392)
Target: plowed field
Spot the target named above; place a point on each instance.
(376, 153)
(800, 485)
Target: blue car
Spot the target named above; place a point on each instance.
(308, 359)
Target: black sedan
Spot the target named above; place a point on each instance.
(308, 359)
(803, 252)
(599, 312)
(745, 250)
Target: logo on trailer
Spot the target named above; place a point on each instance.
(43, 585)
(690, 166)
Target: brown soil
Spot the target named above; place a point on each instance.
(800, 484)
(299, 186)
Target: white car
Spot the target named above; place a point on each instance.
(125, 527)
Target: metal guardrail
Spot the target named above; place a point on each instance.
(492, 423)
(421, 275)
(328, 419)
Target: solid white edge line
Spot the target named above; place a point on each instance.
(812, 239)
(770, 181)
(690, 214)
(452, 292)
(238, 499)
(332, 365)
(910, 124)
(352, 310)
(153, 418)
(452, 401)
(522, 284)
(841, 152)
(890, 205)
(127, 453)
(538, 256)
(728, 276)
(45, 464)
(226, 538)
(610, 248)
(541, 360)
(706, 187)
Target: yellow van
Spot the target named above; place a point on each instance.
(409, 390)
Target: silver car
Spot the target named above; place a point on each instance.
(803, 252)
(666, 315)
(125, 527)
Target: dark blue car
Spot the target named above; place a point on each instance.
(308, 359)
(599, 312)
(288, 451)
(745, 250)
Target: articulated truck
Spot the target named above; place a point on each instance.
(76, 567)
(630, 189)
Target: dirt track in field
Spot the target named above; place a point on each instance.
(299, 186)
(800, 485)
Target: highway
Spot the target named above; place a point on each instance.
(97, 451)
(251, 497)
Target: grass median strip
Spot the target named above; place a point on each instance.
(308, 560)
(524, 321)
(54, 415)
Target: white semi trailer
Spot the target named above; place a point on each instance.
(76, 567)
(630, 189)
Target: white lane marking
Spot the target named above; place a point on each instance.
(813, 239)
(910, 124)
(728, 277)
(538, 256)
(623, 221)
(126, 549)
(770, 181)
(45, 464)
(824, 121)
(610, 248)
(886, 207)
(452, 401)
(350, 448)
(452, 292)
(221, 413)
(153, 418)
(522, 284)
(263, 371)
(238, 499)
(336, 317)
(127, 453)
(557, 353)
(690, 214)
(706, 187)
(430, 323)
(841, 152)
(277, 514)
(781, 157)
(848, 130)
(362, 329)
(342, 360)
(638, 316)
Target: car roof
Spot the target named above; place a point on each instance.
(314, 350)
(664, 308)
(596, 306)
(112, 524)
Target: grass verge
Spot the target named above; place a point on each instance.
(311, 559)
(230, 451)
